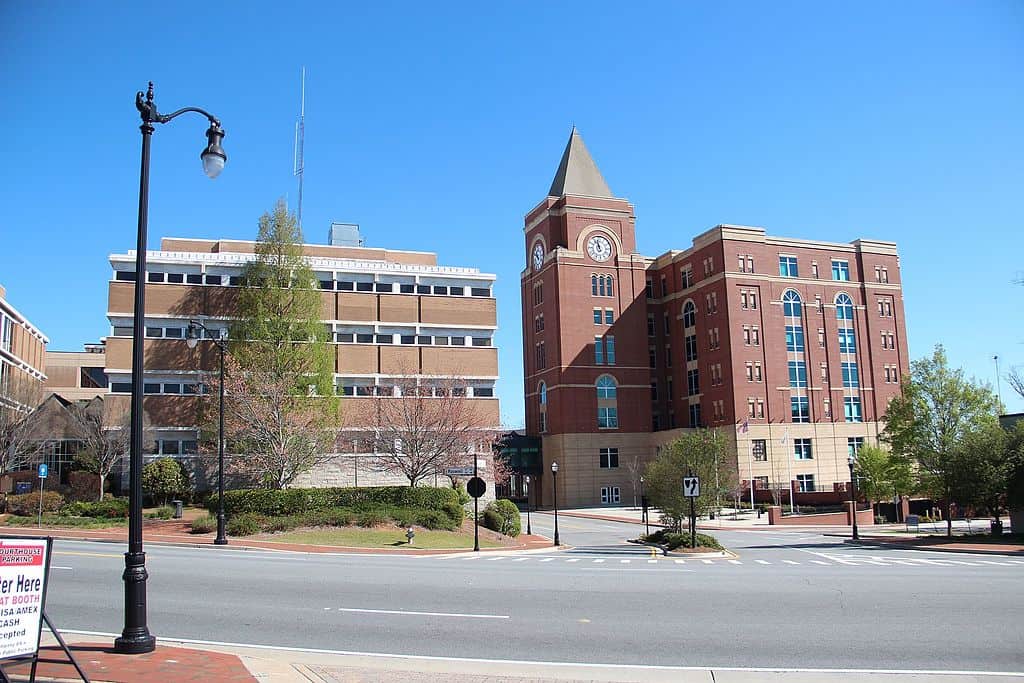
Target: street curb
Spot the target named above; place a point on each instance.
(881, 543)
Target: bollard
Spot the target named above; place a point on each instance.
(410, 534)
(177, 508)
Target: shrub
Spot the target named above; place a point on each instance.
(502, 516)
(83, 485)
(165, 479)
(464, 498)
(245, 525)
(435, 519)
(371, 518)
(162, 512)
(27, 504)
(403, 517)
(111, 509)
(204, 525)
(673, 540)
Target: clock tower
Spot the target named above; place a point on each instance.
(587, 379)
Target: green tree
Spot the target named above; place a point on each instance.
(882, 475)
(931, 420)
(700, 452)
(281, 411)
(165, 479)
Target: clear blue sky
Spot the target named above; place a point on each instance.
(437, 126)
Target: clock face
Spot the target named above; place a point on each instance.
(538, 256)
(599, 248)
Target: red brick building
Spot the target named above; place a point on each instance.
(792, 347)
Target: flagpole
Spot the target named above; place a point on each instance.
(789, 459)
(750, 456)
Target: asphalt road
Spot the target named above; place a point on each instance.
(789, 600)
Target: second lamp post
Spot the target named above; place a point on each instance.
(853, 495)
(554, 489)
(192, 339)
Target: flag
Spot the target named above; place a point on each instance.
(745, 427)
(785, 437)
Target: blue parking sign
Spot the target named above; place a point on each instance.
(43, 470)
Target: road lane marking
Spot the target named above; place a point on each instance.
(707, 561)
(598, 561)
(471, 557)
(820, 562)
(575, 559)
(548, 559)
(53, 566)
(680, 561)
(624, 561)
(652, 562)
(790, 562)
(521, 559)
(735, 562)
(1002, 564)
(423, 614)
(84, 554)
(493, 559)
(762, 561)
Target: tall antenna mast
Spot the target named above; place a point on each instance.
(300, 137)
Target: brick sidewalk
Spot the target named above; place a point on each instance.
(102, 665)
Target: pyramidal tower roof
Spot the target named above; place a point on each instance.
(577, 173)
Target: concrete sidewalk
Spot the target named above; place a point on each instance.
(190, 662)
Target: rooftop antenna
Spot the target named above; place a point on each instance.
(300, 137)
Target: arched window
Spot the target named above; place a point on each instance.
(601, 285)
(689, 314)
(844, 307)
(606, 387)
(608, 283)
(791, 304)
(593, 285)
(543, 391)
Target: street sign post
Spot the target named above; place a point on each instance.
(459, 471)
(44, 471)
(691, 490)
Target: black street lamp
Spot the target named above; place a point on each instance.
(529, 529)
(851, 460)
(643, 512)
(135, 637)
(192, 340)
(554, 488)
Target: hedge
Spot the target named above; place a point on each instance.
(113, 508)
(673, 540)
(277, 502)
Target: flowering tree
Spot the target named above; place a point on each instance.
(106, 438)
(18, 440)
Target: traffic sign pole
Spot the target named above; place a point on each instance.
(476, 514)
(43, 471)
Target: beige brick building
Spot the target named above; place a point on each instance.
(386, 311)
(22, 358)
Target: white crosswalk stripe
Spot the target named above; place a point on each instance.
(735, 562)
(790, 562)
(680, 561)
(762, 561)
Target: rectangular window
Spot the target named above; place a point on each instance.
(753, 299)
(176, 278)
(885, 275)
(755, 336)
(797, 373)
(743, 299)
(461, 341)
(664, 286)
(124, 276)
(154, 277)
(668, 356)
(814, 269)
(794, 338)
(759, 449)
(847, 341)
(691, 347)
(746, 335)
(597, 316)
(692, 382)
(654, 391)
(598, 351)
(750, 373)
(806, 483)
(155, 332)
(799, 409)
(652, 357)
(850, 375)
(841, 271)
(668, 329)
(649, 288)
(695, 418)
(608, 418)
(827, 407)
(853, 445)
(802, 449)
(760, 409)
(609, 350)
(479, 291)
(538, 294)
(368, 287)
(742, 263)
(851, 409)
(757, 372)
(650, 324)
(481, 341)
(686, 276)
(364, 338)
(609, 316)
(750, 264)
(788, 267)
(326, 284)
(385, 339)
(750, 408)
(609, 458)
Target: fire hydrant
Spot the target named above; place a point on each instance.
(410, 534)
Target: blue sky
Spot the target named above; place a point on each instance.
(438, 126)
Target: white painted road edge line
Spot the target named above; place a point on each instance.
(421, 614)
(528, 662)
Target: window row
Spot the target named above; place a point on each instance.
(745, 263)
(788, 267)
(410, 339)
(338, 285)
(802, 450)
(755, 408)
(753, 371)
(604, 350)
(149, 388)
(540, 356)
(601, 285)
(888, 340)
(366, 388)
(892, 374)
(748, 299)
(538, 323)
(881, 274)
(605, 317)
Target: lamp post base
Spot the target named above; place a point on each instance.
(135, 638)
(135, 643)
(222, 538)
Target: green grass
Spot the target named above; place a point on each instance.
(60, 521)
(355, 537)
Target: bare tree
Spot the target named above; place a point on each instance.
(106, 438)
(276, 432)
(19, 442)
(422, 426)
(1015, 377)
